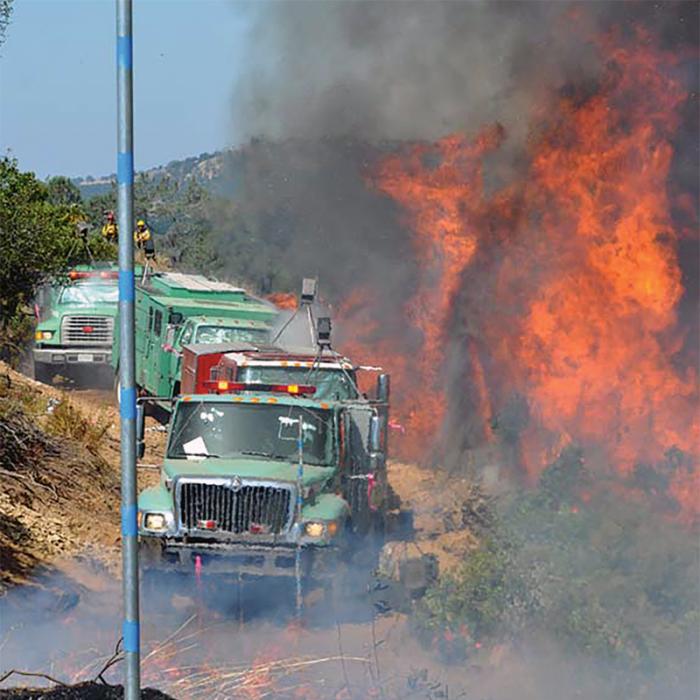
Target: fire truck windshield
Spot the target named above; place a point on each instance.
(226, 430)
(226, 334)
(331, 384)
(85, 294)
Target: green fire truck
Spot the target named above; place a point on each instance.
(76, 321)
(173, 309)
(256, 474)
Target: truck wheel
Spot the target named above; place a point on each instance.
(43, 372)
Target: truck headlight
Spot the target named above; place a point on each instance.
(43, 335)
(314, 529)
(155, 521)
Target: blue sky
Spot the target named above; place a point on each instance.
(58, 89)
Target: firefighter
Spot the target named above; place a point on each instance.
(144, 240)
(109, 230)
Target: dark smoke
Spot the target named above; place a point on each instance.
(404, 70)
(327, 88)
(330, 87)
(310, 201)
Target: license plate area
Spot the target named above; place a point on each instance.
(85, 357)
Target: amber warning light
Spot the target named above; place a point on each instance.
(222, 386)
(103, 274)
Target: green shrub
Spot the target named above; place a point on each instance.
(38, 238)
(604, 574)
(66, 421)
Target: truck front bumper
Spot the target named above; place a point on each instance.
(72, 356)
(228, 558)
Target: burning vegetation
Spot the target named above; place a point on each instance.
(548, 309)
(551, 328)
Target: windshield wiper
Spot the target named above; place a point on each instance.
(269, 455)
(292, 459)
(195, 454)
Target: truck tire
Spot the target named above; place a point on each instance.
(44, 372)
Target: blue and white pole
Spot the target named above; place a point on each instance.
(127, 403)
(299, 505)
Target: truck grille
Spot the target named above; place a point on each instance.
(87, 330)
(254, 509)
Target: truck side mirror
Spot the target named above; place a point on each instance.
(140, 430)
(383, 388)
(170, 335)
(175, 318)
(375, 434)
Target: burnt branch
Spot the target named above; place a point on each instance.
(31, 674)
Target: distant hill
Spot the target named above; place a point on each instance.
(218, 172)
(272, 212)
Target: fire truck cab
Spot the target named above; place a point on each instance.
(255, 471)
(275, 460)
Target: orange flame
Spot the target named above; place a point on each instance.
(438, 202)
(590, 261)
(283, 300)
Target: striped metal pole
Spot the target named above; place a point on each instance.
(300, 502)
(127, 403)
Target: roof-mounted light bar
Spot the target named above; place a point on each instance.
(100, 274)
(223, 386)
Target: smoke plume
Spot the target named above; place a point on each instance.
(404, 70)
(331, 90)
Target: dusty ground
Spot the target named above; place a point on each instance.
(40, 526)
(71, 502)
(436, 499)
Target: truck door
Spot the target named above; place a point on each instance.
(181, 336)
(143, 321)
(151, 355)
